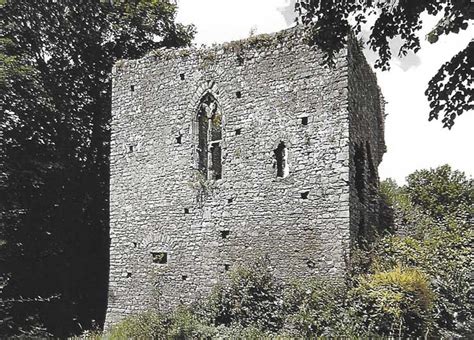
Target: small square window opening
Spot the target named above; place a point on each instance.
(160, 257)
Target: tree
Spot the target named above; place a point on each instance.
(442, 192)
(450, 91)
(438, 204)
(55, 64)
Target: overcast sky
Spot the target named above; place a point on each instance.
(412, 142)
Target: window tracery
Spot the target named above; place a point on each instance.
(209, 126)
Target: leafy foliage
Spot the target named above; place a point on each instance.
(252, 298)
(181, 324)
(441, 192)
(308, 308)
(446, 256)
(55, 81)
(316, 307)
(144, 325)
(440, 243)
(395, 302)
(450, 90)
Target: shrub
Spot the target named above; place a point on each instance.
(317, 308)
(441, 192)
(405, 217)
(395, 302)
(144, 325)
(250, 298)
(186, 324)
(446, 255)
(239, 332)
(438, 206)
(181, 324)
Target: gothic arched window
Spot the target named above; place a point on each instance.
(209, 128)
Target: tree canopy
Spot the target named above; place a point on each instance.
(450, 91)
(434, 213)
(55, 81)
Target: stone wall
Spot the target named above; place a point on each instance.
(175, 233)
(367, 146)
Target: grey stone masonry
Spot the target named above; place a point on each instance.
(247, 149)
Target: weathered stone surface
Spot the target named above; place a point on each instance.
(269, 89)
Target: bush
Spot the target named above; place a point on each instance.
(438, 206)
(181, 324)
(430, 197)
(250, 298)
(239, 332)
(445, 254)
(186, 324)
(441, 192)
(145, 325)
(393, 303)
(317, 308)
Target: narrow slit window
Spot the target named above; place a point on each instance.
(178, 139)
(130, 148)
(132, 88)
(238, 94)
(160, 257)
(281, 156)
(304, 120)
(181, 76)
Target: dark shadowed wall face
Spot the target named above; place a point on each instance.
(223, 155)
(367, 146)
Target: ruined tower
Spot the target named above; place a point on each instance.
(225, 154)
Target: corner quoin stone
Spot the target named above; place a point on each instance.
(174, 232)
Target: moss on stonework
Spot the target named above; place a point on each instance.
(206, 58)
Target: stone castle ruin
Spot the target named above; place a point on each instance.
(247, 149)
